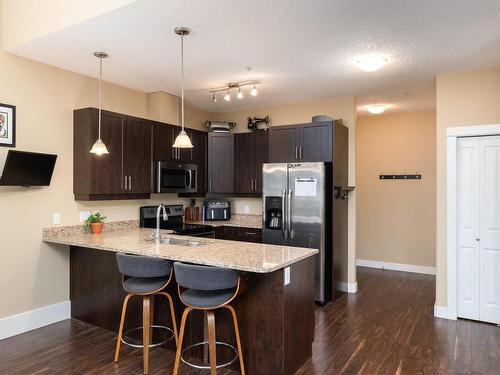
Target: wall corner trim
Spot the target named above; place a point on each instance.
(443, 313)
(29, 320)
(396, 266)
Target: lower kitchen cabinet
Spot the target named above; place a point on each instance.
(241, 234)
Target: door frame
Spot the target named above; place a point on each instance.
(452, 135)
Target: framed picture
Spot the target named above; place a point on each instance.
(7, 125)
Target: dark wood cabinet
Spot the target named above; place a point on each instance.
(220, 163)
(163, 139)
(283, 143)
(137, 158)
(124, 173)
(316, 142)
(239, 234)
(251, 150)
(302, 142)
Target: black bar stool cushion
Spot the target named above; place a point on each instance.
(143, 284)
(207, 298)
(205, 278)
(143, 266)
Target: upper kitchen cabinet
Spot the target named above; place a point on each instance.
(251, 150)
(302, 142)
(163, 139)
(283, 143)
(124, 173)
(137, 166)
(220, 163)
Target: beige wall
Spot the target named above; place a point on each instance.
(463, 99)
(396, 219)
(32, 273)
(340, 107)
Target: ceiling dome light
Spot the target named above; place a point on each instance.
(376, 109)
(227, 97)
(214, 98)
(240, 94)
(253, 92)
(371, 63)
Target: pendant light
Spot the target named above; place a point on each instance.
(182, 140)
(99, 148)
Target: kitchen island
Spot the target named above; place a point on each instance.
(276, 313)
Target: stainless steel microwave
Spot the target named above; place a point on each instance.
(176, 177)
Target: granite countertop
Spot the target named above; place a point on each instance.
(127, 237)
(239, 220)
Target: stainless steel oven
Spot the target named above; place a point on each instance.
(176, 177)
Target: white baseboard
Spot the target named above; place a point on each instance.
(29, 320)
(396, 266)
(442, 312)
(346, 287)
(352, 287)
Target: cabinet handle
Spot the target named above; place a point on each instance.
(250, 233)
(300, 152)
(130, 182)
(125, 185)
(210, 184)
(252, 185)
(296, 153)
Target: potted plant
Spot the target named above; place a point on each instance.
(95, 222)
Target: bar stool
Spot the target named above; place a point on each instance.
(208, 289)
(144, 276)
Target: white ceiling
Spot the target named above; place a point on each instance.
(300, 49)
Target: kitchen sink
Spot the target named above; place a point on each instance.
(178, 241)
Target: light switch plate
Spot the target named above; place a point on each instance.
(84, 216)
(287, 275)
(57, 219)
(246, 208)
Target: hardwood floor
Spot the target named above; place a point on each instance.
(386, 328)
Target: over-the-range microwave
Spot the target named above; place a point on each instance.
(176, 177)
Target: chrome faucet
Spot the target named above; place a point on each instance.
(161, 209)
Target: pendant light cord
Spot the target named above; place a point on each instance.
(100, 94)
(182, 82)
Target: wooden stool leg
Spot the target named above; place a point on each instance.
(145, 331)
(212, 347)
(238, 340)
(151, 318)
(172, 314)
(120, 330)
(186, 312)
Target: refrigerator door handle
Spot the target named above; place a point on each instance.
(289, 213)
(283, 210)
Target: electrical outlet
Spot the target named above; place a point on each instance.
(84, 216)
(246, 208)
(287, 276)
(57, 219)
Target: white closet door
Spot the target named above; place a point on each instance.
(490, 230)
(468, 259)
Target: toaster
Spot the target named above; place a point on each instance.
(216, 210)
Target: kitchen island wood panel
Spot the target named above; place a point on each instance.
(276, 320)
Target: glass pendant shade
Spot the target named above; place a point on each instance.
(182, 140)
(99, 148)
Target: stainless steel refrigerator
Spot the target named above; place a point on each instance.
(297, 211)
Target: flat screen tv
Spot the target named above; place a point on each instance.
(27, 169)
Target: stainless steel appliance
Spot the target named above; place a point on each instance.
(217, 210)
(176, 177)
(297, 200)
(173, 220)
